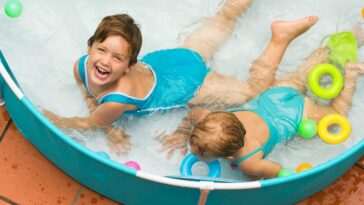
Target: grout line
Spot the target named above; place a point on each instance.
(77, 195)
(3, 198)
(5, 129)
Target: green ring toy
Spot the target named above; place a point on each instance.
(307, 128)
(337, 81)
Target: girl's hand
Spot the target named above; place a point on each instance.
(173, 142)
(119, 141)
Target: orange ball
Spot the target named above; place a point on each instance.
(362, 12)
(303, 167)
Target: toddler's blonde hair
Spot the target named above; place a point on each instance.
(220, 134)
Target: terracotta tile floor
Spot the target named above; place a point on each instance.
(28, 178)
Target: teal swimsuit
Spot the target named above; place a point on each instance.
(282, 109)
(178, 75)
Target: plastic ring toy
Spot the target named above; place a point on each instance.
(190, 160)
(330, 119)
(337, 81)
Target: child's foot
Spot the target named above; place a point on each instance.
(286, 31)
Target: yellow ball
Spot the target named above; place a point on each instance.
(303, 167)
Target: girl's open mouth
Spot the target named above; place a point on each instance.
(101, 73)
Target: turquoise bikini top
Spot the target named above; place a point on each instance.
(281, 108)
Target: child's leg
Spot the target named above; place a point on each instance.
(216, 29)
(230, 91)
(298, 79)
(262, 73)
(342, 103)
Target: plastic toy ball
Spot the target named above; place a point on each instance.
(285, 172)
(303, 167)
(307, 128)
(13, 8)
(132, 164)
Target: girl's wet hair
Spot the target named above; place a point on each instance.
(220, 134)
(120, 25)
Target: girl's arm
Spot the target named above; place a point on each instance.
(263, 168)
(73, 122)
(118, 139)
(256, 165)
(103, 116)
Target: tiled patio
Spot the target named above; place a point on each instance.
(28, 178)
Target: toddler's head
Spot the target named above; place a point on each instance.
(219, 134)
(120, 25)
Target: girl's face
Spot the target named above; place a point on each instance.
(108, 60)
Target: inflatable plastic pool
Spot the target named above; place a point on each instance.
(129, 186)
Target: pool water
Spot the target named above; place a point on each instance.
(42, 45)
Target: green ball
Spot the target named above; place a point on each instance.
(285, 172)
(307, 128)
(13, 8)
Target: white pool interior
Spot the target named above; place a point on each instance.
(42, 45)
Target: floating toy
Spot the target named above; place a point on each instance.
(303, 166)
(337, 81)
(343, 48)
(331, 119)
(285, 172)
(307, 128)
(13, 8)
(132, 164)
(190, 160)
(103, 154)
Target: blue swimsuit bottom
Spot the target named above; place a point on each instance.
(282, 109)
(178, 74)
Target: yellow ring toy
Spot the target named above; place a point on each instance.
(330, 119)
(337, 81)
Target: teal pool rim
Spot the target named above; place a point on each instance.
(358, 147)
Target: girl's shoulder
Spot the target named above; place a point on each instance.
(125, 85)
